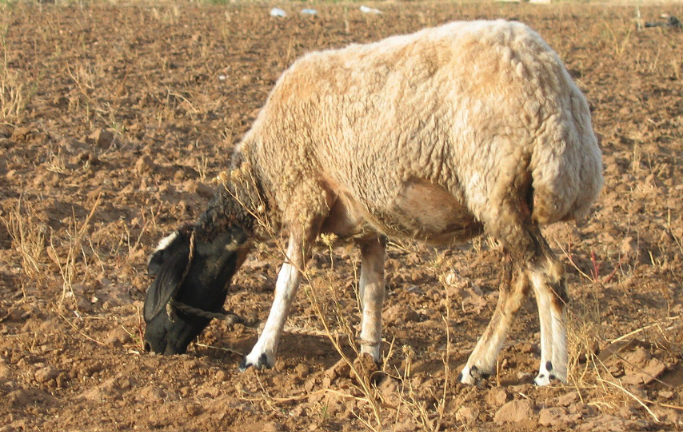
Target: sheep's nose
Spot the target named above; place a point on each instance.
(147, 346)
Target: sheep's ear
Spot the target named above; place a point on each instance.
(169, 273)
(165, 247)
(154, 263)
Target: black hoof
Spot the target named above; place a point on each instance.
(478, 374)
(244, 365)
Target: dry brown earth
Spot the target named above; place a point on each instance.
(116, 118)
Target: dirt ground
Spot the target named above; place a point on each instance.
(116, 118)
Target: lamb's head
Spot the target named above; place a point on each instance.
(195, 272)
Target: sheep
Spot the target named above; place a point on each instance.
(438, 136)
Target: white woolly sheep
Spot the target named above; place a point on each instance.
(438, 136)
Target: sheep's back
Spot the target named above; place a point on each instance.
(475, 107)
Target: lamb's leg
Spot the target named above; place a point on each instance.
(372, 295)
(513, 291)
(288, 280)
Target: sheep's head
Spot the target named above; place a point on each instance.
(192, 271)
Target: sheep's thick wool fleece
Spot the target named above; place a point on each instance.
(483, 109)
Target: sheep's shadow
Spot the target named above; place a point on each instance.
(313, 349)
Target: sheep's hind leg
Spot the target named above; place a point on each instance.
(288, 280)
(547, 278)
(372, 295)
(522, 238)
(513, 291)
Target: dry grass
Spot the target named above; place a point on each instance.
(13, 88)
(70, 250)
(13, 91)
(28, 235)
(380, 414)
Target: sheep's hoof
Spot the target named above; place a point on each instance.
(549, 373)
(261, 363)
(545, 378)
(472, 375)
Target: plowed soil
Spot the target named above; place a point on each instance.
(115, 120)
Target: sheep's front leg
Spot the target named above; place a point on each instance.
(288, 280)
(514, 289)
(372, 295)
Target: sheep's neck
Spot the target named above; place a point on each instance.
(228, 209)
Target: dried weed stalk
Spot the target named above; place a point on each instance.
(13, 93)
(28, 237)
(587, 369)
(429, 418)
(363, 377)
(74, 248)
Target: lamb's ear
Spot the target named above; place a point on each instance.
(168, 275)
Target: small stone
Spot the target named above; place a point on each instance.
(390, 390)
(18, 398)
(6, 373)
(271, 427)
(467, 414)
(21, 133)
(118, 337)
(102, 138)
(568, 399)
(310, 384)
(144, 165)
(406, 426)
(515, 411)
(221, 376)
(195, 409)
(550, 416)
(204, 191)
(497, 397)
(340, 369)
(46, 374)
(653, 369)
(665, 394)
(609, 423)
(399, 314)
(298, 411)
(301, 370)
(628, 246)
(153, 393)
(124, 384)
